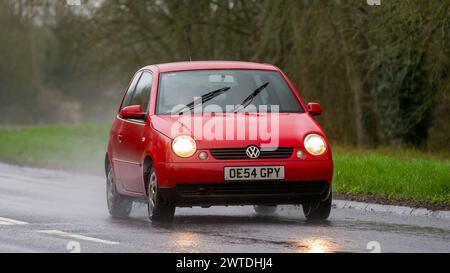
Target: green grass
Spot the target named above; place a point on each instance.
(391, 173)
(80, 147)
(392, 177)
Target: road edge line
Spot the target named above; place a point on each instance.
(370, 207)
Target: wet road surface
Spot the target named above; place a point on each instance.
(50, 211)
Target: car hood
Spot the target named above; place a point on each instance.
(240, 130)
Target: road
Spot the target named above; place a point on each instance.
(51, 211)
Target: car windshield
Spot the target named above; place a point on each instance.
(225, 91)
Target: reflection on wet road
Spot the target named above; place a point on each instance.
(317, 245)
(59, 208)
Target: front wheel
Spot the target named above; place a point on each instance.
(319, 210)
(119, 206)
(158, 210)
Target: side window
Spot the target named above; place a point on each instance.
(130, 91)
(142, 93)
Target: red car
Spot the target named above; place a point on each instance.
(216, 133)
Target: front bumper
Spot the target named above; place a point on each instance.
(172, 174)
(203, 184)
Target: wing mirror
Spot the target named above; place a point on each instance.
(132, 112)
(315, 109)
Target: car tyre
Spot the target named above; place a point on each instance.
(265, 210)
(119, 206)
(318, 210)
(158, 210)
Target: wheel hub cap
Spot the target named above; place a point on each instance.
(153, 188)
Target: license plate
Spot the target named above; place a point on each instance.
(254, 173)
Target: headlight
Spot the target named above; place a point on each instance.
(184, 146)
(315, 144)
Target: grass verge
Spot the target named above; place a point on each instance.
(376, 177)
(77, 148)
(395, 176)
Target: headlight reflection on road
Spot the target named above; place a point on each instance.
(317, 245)
(186, 241)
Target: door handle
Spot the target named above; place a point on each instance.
(120, 138)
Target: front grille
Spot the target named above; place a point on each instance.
(252, 188)
(241, 153)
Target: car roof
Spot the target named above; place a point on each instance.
(210, 65)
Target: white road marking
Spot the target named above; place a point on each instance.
(77, 237)
(7, 221)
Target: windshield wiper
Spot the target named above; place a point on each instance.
(204, 98)
(248, 100)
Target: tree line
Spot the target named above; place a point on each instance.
(380, 72)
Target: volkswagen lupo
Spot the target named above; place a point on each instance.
(217, 134)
